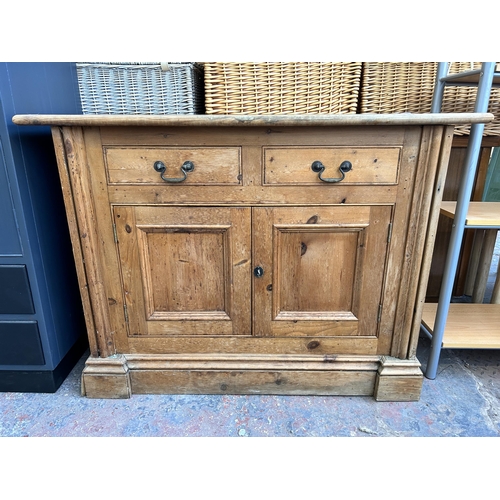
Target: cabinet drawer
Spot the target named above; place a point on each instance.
(131, 165)
(293, 165)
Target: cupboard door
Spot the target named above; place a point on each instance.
(322, 270)
(185, 270)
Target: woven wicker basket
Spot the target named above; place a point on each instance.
(281, 88)
(141, 88)
(407, 87)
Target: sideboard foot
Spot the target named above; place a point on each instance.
(106, 378)
(398, 380)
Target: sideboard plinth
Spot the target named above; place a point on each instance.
(106, 378)
(385, 378)
(398, 380)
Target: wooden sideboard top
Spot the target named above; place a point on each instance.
(255, 120)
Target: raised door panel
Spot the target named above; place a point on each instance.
(185, 270)
(323, 270)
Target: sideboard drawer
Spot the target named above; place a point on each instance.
(212, 165)
(293, 165)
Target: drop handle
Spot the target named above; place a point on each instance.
(319, 168)
(186, 167)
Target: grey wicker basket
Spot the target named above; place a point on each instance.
(141, 88)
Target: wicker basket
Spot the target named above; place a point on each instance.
(407, 87)
(281, 88)
(141, 88)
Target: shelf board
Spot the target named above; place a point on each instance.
(479, 213)
(469, 78)
(468, 326)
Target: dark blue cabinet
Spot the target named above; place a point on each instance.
(42, 328)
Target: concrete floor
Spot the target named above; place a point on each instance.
(463, 400)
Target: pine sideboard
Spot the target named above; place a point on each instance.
(253, 254)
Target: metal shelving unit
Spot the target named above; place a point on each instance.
(462, 325)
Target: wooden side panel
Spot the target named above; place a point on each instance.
(423, 192)
(85, 201)
(58, 139)
(436, 191)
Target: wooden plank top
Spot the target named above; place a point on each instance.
(256, 120)
(468, 325)
(479, 213)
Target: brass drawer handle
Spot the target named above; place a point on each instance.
(187, 166)
(318, 167)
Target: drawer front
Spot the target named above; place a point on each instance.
(212, 166)
(294, 165)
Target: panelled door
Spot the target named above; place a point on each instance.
(185, 270)
(321, 270)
